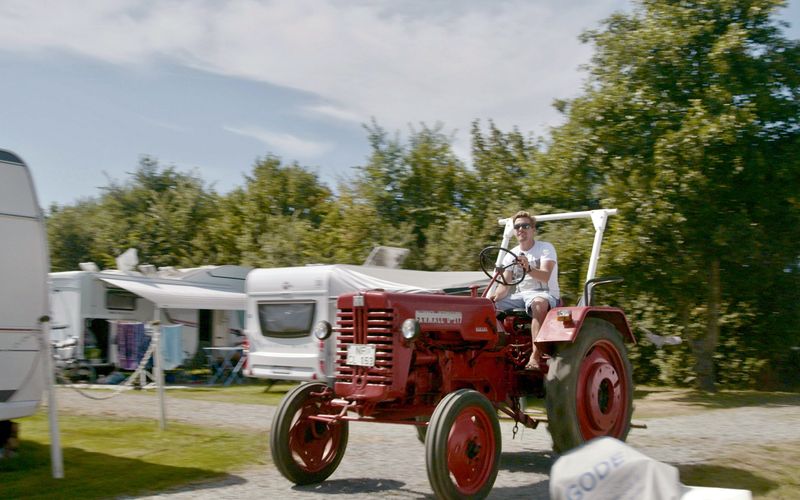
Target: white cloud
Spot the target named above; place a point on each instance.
(447, 61)
(283, 143)
(337, 113)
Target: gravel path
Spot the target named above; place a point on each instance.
(387, 460)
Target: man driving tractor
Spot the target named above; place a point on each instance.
(538, 291)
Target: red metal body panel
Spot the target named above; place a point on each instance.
(553, 330)
(460, 346)
(472, 318)
(457, 348)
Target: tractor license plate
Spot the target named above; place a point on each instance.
(361, 355)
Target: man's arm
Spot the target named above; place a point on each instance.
(501, 290)
(543, 273)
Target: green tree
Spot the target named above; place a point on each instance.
(159, 211)
(71, 234)
(689, 124)
(353, 227)
(418, 184)
(276, 214)
(507, 170)
(223, 233)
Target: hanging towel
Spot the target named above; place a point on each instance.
(123, 329)
(131, 344)
(172, 346)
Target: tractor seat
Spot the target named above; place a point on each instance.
(516, 313)
(523, 313)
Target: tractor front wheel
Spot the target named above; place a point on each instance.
(304, 450)
(589, 387)
(462, 448)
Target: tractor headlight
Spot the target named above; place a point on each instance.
(410, 329)
(322, 330)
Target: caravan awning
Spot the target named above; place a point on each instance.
(182, 295)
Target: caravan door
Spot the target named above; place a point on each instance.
(23, 290)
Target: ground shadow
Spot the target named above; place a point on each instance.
(731, 477)
(523, 461)
(533, 491)
(352, 486)
(90, 475)
(528, 461)
(535, 462)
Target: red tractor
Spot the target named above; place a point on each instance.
(448, 364)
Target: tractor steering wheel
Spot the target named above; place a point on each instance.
(488, 260)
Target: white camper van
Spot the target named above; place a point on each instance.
(88, 305)
(24, 264)
(284, 304)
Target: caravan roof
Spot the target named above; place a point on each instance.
(210, 287)
(176, 294)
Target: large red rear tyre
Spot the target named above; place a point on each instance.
(306, 451)
(462, 448)
(589, 387)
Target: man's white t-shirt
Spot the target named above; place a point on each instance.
(537, 255)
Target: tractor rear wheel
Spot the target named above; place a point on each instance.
(306, 451)
(462, 449)
(589, 387)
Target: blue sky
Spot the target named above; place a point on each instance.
(87, 87)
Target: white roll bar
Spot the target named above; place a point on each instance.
(599, 219)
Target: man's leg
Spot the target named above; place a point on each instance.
(511, 301)
(539, 308)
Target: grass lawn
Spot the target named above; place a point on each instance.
(255, 393)
(770, 472)
(105, 457)
(252, 393)
(657, 402)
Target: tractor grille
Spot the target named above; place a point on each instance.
(365, 326)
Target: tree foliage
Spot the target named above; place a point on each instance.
(688, 124)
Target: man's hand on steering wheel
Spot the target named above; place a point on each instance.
(499, 272)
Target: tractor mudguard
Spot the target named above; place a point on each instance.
(555, 329)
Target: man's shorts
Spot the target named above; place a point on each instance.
(521, 300)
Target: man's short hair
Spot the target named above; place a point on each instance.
(522, 214)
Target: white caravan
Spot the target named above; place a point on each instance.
(208, 301)
(23, 291)
(284, 304)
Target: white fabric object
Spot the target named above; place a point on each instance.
(337, 279)
(128, 260)
(705, 493)
(607, 468)
(180, 295)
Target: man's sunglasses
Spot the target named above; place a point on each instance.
(522, 226)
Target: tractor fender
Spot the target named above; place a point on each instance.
(555, 330)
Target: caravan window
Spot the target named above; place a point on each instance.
(119, 299)
(286, 319)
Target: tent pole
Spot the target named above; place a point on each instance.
(56, 458)
(157, 333)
